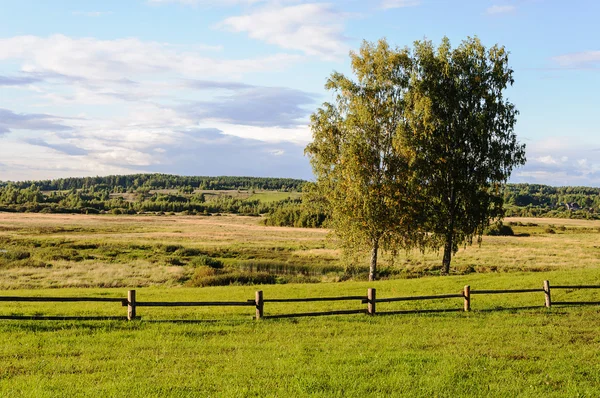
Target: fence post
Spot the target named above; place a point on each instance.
(548, 300)
(467, 296)
(371, 300)
(130, 305)
(260, 304)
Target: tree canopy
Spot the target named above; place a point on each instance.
(414, 152)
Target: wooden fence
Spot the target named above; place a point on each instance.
(259, 301)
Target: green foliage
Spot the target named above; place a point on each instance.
(207, 276)
(499, 229)
(146, 182)
(206, 261)
(416, 150)
(361, 175)
(295, 213)
(460, 132)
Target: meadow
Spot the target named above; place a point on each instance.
(495, 350)
(58, 251)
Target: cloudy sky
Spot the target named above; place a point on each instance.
(226, 87)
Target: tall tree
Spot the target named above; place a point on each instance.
(460, 131)
(363, 177)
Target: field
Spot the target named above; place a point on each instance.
(51, 251)
(495, 350)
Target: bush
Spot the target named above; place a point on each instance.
(206, 261)
(549, 230)
(174, 261)
(188, 252)
(499, 230)
(15, 255)
(172, 248)
(205, 276)
(57, 254)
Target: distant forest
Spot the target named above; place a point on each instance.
(130, 183)
(163, 193)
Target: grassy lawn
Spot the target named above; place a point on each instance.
(223, 352)
(496, 350)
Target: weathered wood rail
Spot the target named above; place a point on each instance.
(259, 301)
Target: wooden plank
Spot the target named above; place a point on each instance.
(306, 314)
(576, 287)
(412, 298)
(61, 299)
(62, 318)
(312, 299)
(467, 296)
(506, 291)
(195, 303)
(576, 303)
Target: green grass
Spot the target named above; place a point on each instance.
(508, 353)
(274, 196)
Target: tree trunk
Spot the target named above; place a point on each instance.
(447, 255)
(373, 266)
(448, 245)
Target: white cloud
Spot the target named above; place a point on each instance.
(387, 4)
(561, 161)
(496, 9)
(93, 59)
(297, 135)
(546, 160)
(315, 29)
(579, 59)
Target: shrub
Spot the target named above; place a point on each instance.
(15, 255)
(210, 277)
(188, 252)
(206, 261)
(172, 248)
(56, 254)
(549, 230)
(174, 261)
(499, 230)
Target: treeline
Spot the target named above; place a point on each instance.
(294, 213)
(534, 200)
(523, 195)
(138, 194)
(97, 200)
(134, 182)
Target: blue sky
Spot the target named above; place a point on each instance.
(226, 87)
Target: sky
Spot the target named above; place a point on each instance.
(226, 87)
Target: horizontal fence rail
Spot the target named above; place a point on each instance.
(309, 299)
(194, 303)
(506, 291)
(259, 301)
(63, 299)
(416, 298)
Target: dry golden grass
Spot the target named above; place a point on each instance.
(139, 261)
